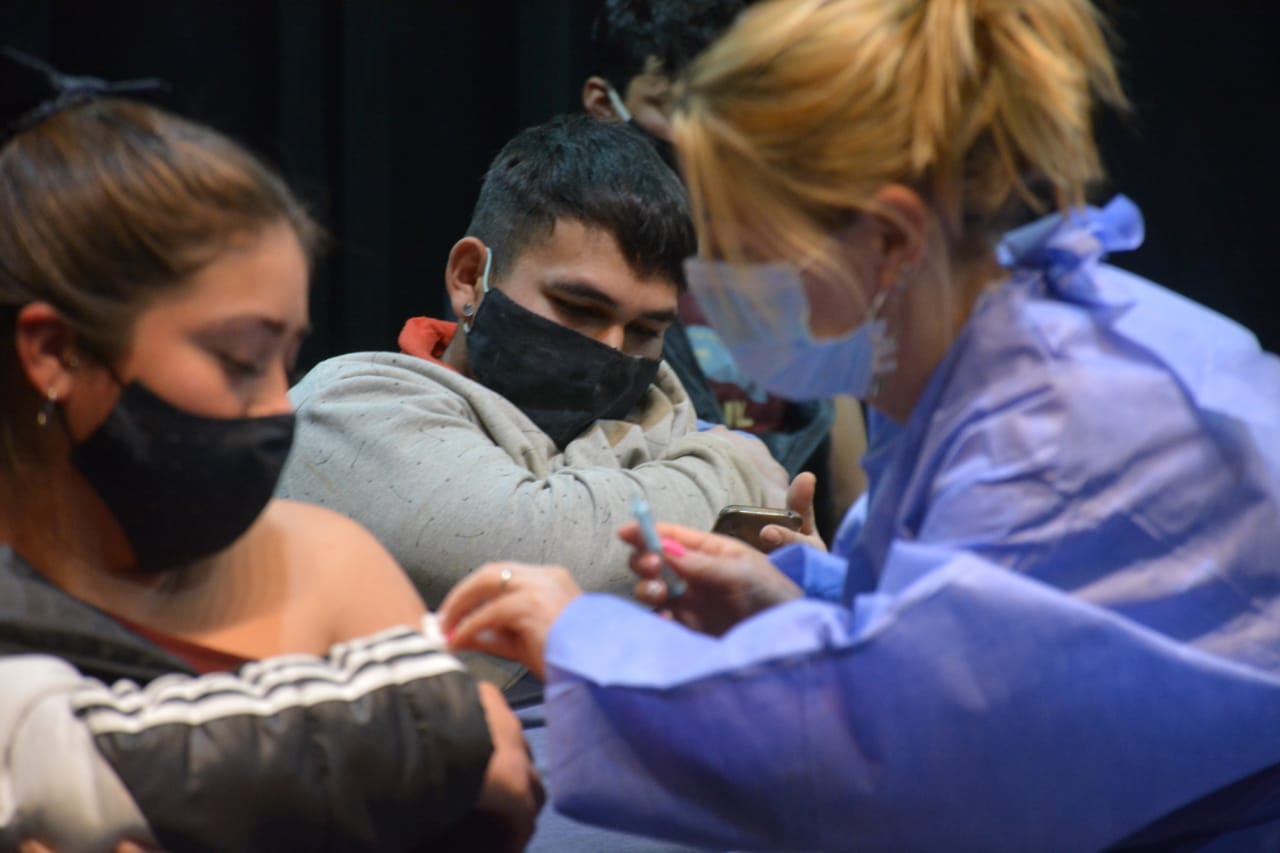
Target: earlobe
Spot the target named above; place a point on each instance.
(45, 345)
(904, 218)
(463, 274)
(595, 99)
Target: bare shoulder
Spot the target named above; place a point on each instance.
(327, 540)
(302, 524)
(326, 548)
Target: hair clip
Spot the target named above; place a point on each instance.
(48, 91)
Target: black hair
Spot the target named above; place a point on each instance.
(604, 175)
(625, 33)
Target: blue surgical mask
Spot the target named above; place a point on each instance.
(762, 315)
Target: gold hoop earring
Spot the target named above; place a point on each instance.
(47, 409)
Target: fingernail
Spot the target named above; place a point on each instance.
(771, 535)
(672, 547)
(654, 589)
(448, 637)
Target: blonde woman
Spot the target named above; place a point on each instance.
(1057, 615)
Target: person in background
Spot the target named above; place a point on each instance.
(638, 48)
(153, 294)
(1055, 621)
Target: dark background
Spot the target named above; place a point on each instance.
(383, 115)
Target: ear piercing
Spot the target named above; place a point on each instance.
(47, 410)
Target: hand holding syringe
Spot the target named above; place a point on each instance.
(653, 544)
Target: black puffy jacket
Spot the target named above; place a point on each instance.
(382, 745)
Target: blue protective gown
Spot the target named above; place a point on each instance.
(1054, 619)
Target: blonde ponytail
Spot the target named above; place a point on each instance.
(807, 107)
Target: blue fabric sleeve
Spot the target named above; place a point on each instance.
(819, 574)
(961, 707)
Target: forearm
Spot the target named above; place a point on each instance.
(445, 493)
(481, 506)
(570, 518)
(709, 466)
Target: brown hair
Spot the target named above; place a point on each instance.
(806, 108)
(103, 208)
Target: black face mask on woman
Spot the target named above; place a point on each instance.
(181, 486)
(562, 380)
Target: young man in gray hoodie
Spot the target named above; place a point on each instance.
(524, 431)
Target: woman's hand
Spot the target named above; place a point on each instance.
(799, 499)
(507, 609)
(726, 580)
(512, 790)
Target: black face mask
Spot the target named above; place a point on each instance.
(562, 380)
(181, 486)
(665, 149)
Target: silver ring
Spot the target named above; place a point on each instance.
(504, 579)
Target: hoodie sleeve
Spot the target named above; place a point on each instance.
(448, 474)
(380, 746)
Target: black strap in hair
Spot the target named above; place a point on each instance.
(32, 90)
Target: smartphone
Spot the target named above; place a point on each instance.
(746, 522)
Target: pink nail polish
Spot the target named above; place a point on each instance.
(672, 547)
